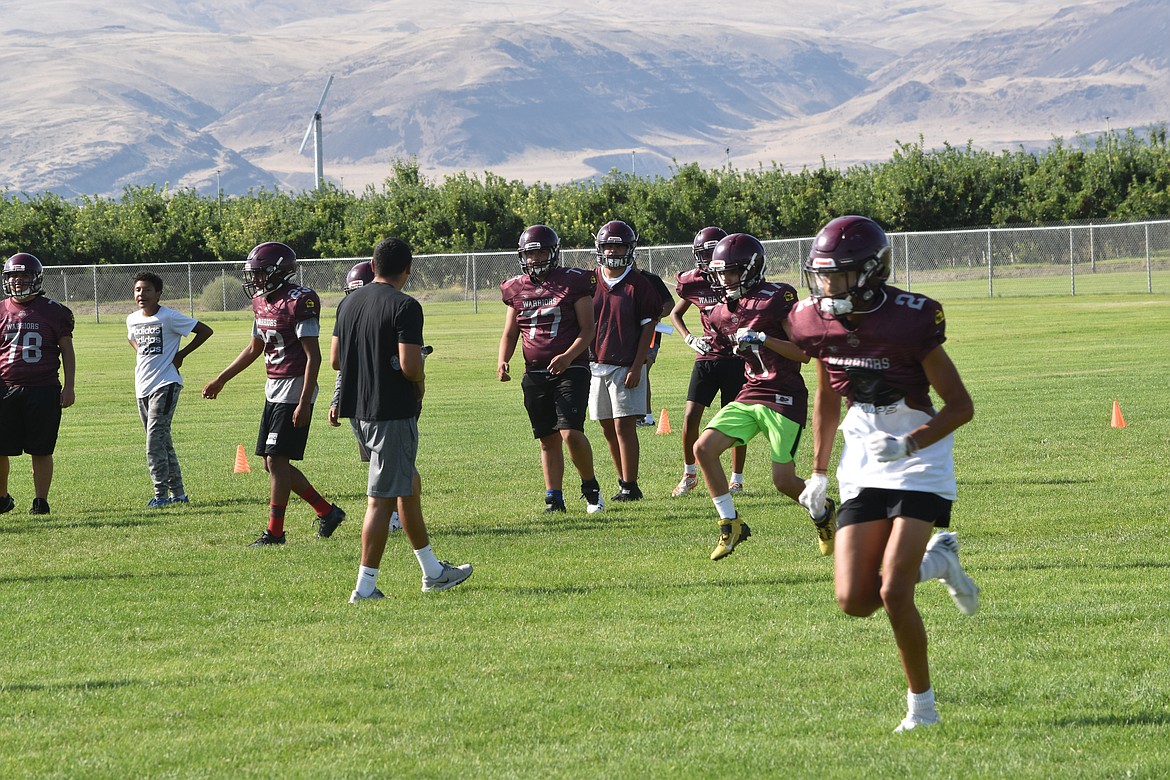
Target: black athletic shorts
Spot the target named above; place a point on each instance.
(708, 377)
(277, 434)
(30, 418)
(556, 403)
(885, 504)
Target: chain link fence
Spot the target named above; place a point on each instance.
(996, 262)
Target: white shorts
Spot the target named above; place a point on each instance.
(930, 470)
(609, 398)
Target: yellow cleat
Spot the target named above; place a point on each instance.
(827, 527)
(731, 533)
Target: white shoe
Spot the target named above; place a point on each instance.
(595, 508)
(395, 522)
(449, 578)
(962, 588)
(685, 485)
(735, 487)
(911, 722)
(355, 597)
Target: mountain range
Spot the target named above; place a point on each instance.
(204, 94)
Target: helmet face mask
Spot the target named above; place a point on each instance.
(359, 276)
(737, 266)
(616, 235)
(847, 269)
(539, 251)
(23, 277)
(704, 244)
(269, 267)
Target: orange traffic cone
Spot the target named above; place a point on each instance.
(242, 466)
(1118, 420)
(663, 423)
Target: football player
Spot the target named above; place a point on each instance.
(881, 348)
(752, 314)
(286, 331)
(626, 307)
(718, 368)
(550, 312)
(36, 341)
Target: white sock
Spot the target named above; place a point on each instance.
(366, 581)
(691, 469)
(724, 506)
(429, 563)
(920, 703)
(737, 477)
(933, 566)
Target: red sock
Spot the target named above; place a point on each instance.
(276, 519)
(320, 505)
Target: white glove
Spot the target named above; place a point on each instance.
(746, 336)
(812, 497)
(700, 344)
(885, 447)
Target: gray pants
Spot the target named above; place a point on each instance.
(157, 410)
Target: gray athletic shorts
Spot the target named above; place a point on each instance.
(393, 446)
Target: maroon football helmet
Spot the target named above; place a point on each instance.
(359, 276)
(736, 252)
(704, 244)
(616, 233)
(535, 239)
(857, 249)
(23, 275)
(269, 266)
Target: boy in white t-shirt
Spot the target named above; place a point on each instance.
(155, 332)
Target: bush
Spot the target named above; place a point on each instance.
(224, 294)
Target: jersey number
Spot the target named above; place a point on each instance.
(26, 347)
(534, 319)
(273, 347)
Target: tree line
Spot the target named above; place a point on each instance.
(1120, 175)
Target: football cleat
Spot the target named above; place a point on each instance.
(267, 538)
(963, 590)
(554, 505)
(731, 533)
(593, 500)
(450, 577)
(735, 487)
(919, 720)
(395, 522)
(827, 527)
(179, 499)
(685, 485)
(158, 502)
(328, 522)
(629, 492)
(7, 504)
(39, 507)
(355, 597)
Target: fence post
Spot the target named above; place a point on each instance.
(990, 268)
(1149, 272)
(1072, 266)
(97, 310)
(1092, 252)
(65, 283)
(474, 284)
(190, 290)
(906, 253)
(223, 286)
(466, 277)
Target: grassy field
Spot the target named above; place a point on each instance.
(142, 643)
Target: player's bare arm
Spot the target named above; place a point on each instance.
(583, 310)
(246, 358)
(634, 375)
(508, 345)
(304, 411)
(957, 406)
(676, 317)
(826, 418)
(68, 371)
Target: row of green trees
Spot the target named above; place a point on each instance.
(1119, 175)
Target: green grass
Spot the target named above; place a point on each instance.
(153, 644)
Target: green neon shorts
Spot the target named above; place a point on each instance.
(743, 421)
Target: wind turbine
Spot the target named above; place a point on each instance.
(314, 129)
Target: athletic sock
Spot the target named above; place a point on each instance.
(691, 469)
(276, 519)
(554, 495)
(320, 505)
(920, 704)
(724, 506)
(367, 580)
(737, 477)
(429, 563)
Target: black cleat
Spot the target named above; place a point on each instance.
(7, 504)
(267, 538)
(629, 492)
(328, 522)
(552, 506)
(39, 507)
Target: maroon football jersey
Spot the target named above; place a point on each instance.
(548, 323)
(277, 317)
(884, 351)
(30, 341)
(771, 380)
(619, 313)
(694, 288)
